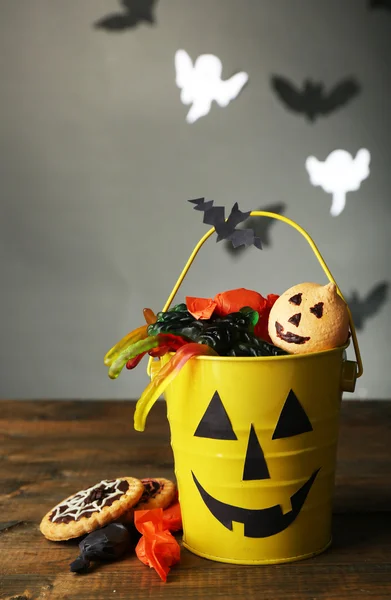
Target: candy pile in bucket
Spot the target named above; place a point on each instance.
(308, 317)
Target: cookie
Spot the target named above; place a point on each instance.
(92, 508)
(158, 493)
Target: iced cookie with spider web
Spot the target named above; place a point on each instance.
(91, 508)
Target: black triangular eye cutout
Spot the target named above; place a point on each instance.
(215, 423)
(293, 419)
(255, 466)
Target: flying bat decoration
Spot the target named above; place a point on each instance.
(386, 4)
(134, 13)
(201, 83)
(261, 226)
(312, 100)
(338, 174)
(368, 306)
(226, 229)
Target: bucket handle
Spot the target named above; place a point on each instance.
(260, 213)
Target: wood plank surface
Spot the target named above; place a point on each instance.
(49, 450)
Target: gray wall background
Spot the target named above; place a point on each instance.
(97, 163)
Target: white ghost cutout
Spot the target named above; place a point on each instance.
(338, 174)
(201, 84)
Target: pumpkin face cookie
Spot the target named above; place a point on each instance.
(91, 508)
(309, 317)
(158, 493)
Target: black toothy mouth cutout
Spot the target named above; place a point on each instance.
(291, 338)
(258, 523)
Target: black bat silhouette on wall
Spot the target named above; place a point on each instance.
(261, 227)
(367, 307)
(312, 100)
(226, 229)
(136, 11)
(380, 4)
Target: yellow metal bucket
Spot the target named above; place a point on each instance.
(254, 443)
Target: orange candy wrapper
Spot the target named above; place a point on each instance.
(200, 308)
(233, 300)
(157, 548)
(172, 517)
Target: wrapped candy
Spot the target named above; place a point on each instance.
(225, 303)
(233, 301)
(200, 308)
(106, 544)
(172, 517)
(157, 548)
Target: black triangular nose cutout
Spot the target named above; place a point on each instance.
(255, 466)
(215, 423)
(293, 419)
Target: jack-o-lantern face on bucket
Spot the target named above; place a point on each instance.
(309, 317)
(258, 523)
(254, 444)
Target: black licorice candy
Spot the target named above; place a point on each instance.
(106, 544)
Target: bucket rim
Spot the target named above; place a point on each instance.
(253, 359)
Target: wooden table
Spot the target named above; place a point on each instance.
(50, 450)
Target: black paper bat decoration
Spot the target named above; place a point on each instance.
(135, 12)
(261, 227)
(226, 229)
(364, 308)
(312, 100)
(380, 4)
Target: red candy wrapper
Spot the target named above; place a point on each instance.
(261, 328)
(157, 548)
